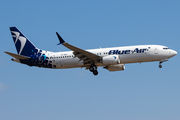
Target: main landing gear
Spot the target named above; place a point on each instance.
(93, 69)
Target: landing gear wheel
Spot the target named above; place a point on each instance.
(160, 66)
(95, 72)
(91, 69)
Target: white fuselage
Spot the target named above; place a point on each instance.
(128, 54)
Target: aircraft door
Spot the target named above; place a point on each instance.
(156, 50)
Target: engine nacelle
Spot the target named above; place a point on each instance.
(118, 67)
(111, 60)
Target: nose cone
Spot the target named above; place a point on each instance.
(174, 52)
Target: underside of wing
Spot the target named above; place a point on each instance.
(85, 56)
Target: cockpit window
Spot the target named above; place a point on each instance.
(166, 48)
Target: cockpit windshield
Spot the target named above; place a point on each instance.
(165, 48)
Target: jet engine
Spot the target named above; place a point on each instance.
(118, 67)
(111, 60)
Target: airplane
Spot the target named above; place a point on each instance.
(112, 59)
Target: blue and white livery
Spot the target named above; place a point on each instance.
(112, 59)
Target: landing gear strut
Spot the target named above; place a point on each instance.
(93, 69)
(160, 66)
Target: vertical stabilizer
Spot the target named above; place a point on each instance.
(23, 45)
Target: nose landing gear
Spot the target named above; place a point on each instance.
(160, 66)
(160, 62)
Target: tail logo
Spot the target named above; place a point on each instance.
(20, 38)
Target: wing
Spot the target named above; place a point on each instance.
(85, 56)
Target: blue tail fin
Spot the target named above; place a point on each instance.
(23, 45)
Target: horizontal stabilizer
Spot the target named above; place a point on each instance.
(17, 56)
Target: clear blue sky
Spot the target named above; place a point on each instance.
(141, 92)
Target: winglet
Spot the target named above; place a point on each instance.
(60, 39)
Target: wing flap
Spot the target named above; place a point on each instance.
(80, 51)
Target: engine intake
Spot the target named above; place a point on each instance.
(111, 60)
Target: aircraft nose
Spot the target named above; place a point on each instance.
(174, 52)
